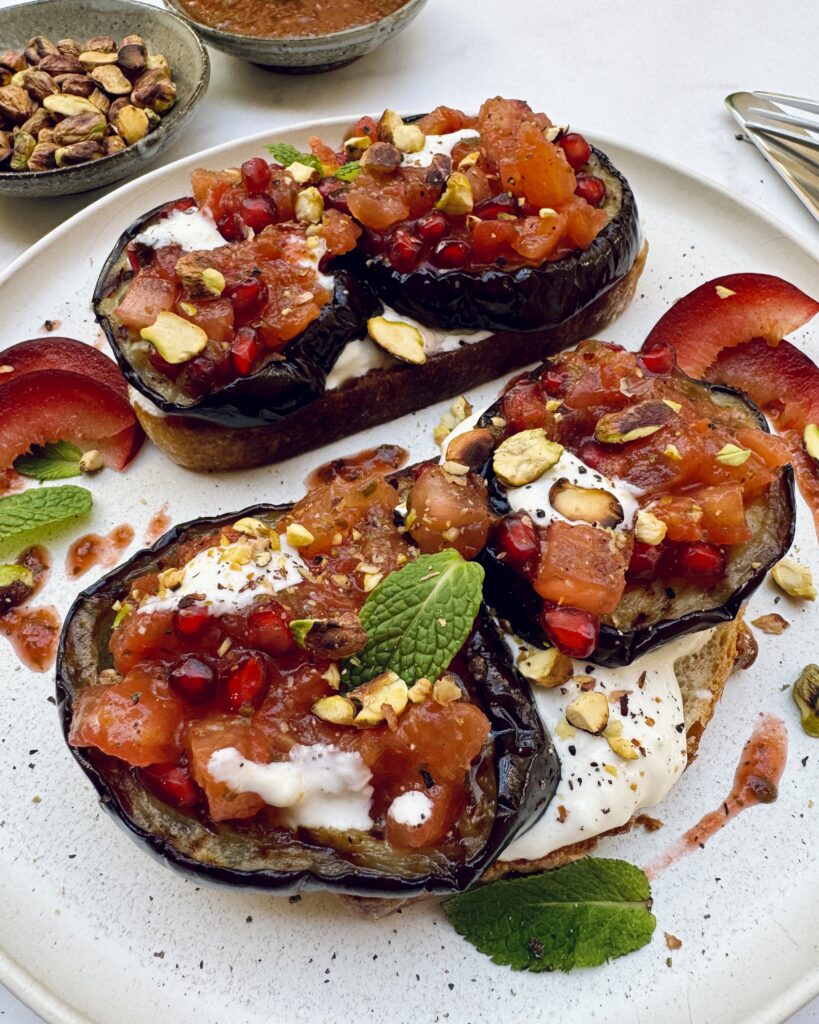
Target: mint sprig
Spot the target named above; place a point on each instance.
(580, 915)
(417, 619)
(285, 154)
(348, 171)
(56, 461)
(42, 506)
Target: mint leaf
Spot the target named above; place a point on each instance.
(20, 513)
(347, 172)
(579, 915)
(285, 155)
(300, 628)
(50, 462)
(16, 574)
(418, 618)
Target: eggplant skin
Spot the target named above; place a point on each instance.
(515, 602)
(518, 779)
(272, 393)
(523, 299)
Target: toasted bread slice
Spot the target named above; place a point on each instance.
(702, 677)
(378, 396)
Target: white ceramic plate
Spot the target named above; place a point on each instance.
(92, 929)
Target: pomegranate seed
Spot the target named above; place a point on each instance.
(405, 251)
(204, 373)
(432, 227)
(489, 209)
(257, 175)
(193, 679)
(246, 350)
(248, 298)
(645, 561)
(518, 539)
(451, 252)
(334, 194)
(247, 682)
(576, 150)
(700, 559)
(571, 630)
(660, 358)
(172, 783)
(554, 383)
(190, 619)
(258, 212)
(591, 188)
(231, 228)
(269, 629)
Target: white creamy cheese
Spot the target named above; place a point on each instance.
(411, 808)
(318, 787)
(228, 587)
(193, 229)
(599, 790)
(362, 355)
(435, 144)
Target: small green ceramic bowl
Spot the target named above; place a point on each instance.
(306, 54)
(163, 33)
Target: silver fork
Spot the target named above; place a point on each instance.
(789, 141)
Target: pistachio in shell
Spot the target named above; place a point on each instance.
(159, 62)
(37, 48)
(158, 95)
(100, 101)
(69, 106)
(84, 127)
(24, 144)
(6, 146)
(105, 44)
(90, 59)
(43, 157)
(79, 153)
(39, 120)
(131, 123)
(16, 105)
(112, 144)
(132, 59)
(12, 61)
(806, 695)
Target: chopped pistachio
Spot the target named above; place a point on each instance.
(457, 199)
(589, 711)
(549, 667)
(446, 690)
(811, 439)
(672, 405)
(623, 747)
(309, 206)
(177, 340)
(354, 147)
(455, 415)
(469, 160)
(402, 340)
(648, 528)
(723, 292)
(525, 456)
(421, 691)
(731, 455)
(336, 709)
(806, 695)
(795, 579)
(213, 280)
(672, 452)
(299, 536)
(91, 461)
(302, 173)
(385, 689)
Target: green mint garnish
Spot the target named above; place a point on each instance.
(122, 614)
(300, 628)
(579, 915)
(286, 155)
(55, 461)
(43, 506)
(347, 172)
(15, 574)
(418, 618)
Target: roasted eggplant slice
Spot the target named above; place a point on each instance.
(286, 382)
(707, 543)
(525, 298)
(509, 784)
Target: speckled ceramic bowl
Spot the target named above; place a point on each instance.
(162, 31)
(306, 54)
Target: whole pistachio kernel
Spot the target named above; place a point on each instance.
(795, 579)
(806, 695)
(811, 439)
(404, 341)
(177, 340)
(213, 280)
(337, 710)
(731, 455)
(639, 420)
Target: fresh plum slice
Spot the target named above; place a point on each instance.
(62, 354)
(729, 311)
(58, 405)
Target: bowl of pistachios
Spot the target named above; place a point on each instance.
(91, 92)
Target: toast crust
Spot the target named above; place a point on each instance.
(380, 395)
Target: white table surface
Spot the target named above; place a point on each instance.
(653, 75)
